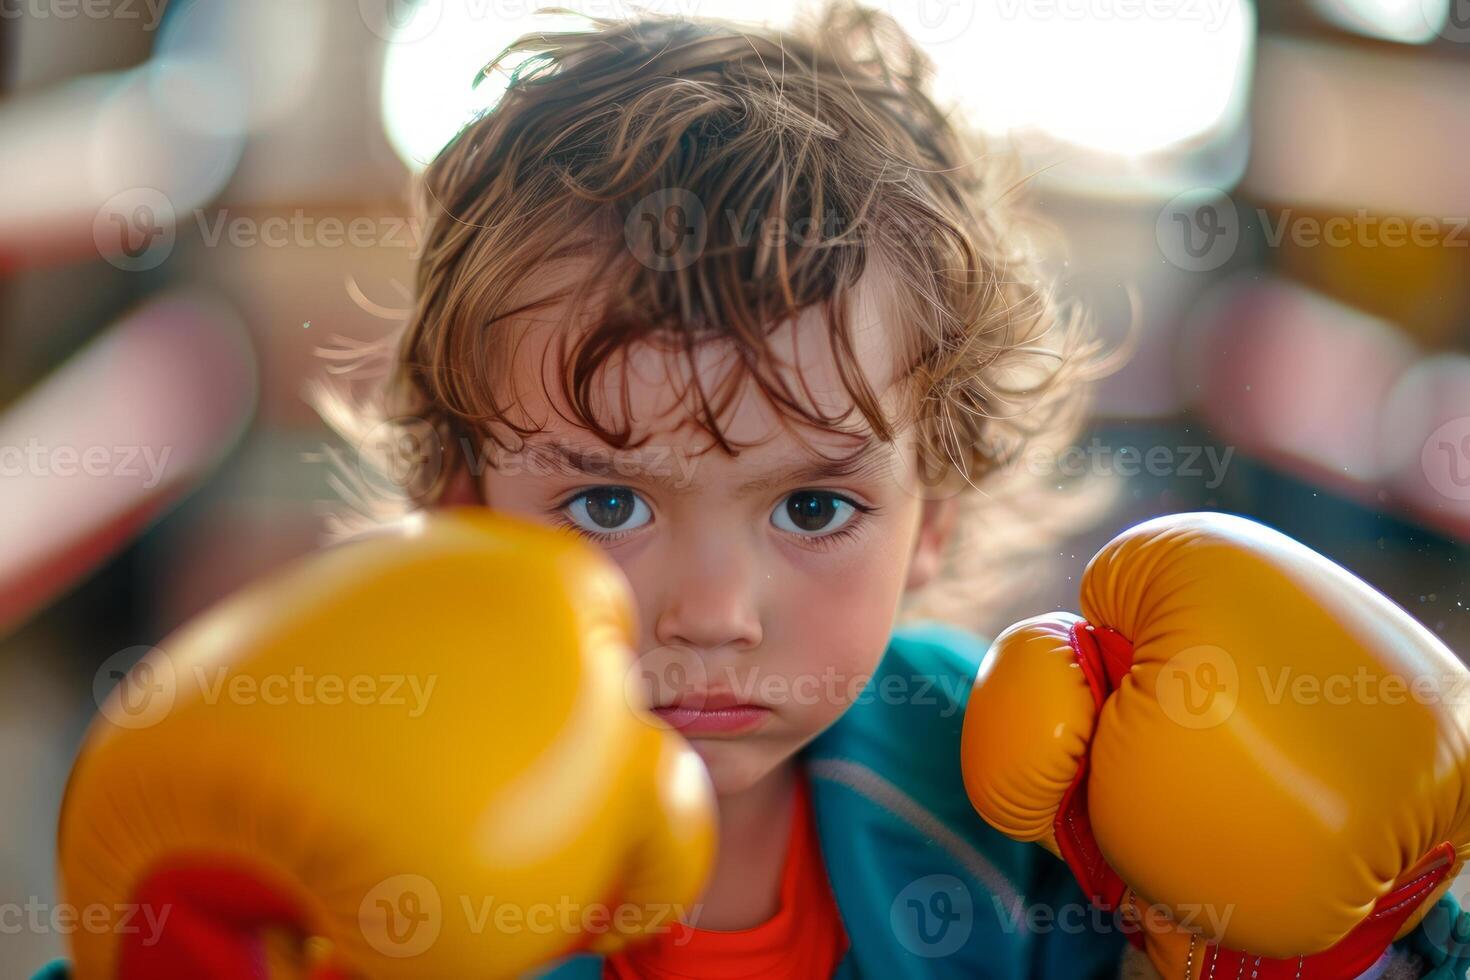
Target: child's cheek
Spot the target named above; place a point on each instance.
(834, 635)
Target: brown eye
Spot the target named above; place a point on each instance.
(604, 509)
(810, 512)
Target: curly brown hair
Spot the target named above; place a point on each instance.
(825, 133)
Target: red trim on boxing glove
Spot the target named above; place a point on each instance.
(215, 917)
(1105, 656)
(1360, 948)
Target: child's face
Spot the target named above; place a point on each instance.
(765, 595)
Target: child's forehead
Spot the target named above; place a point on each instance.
(692, 463)
(651, 387)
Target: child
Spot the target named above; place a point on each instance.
(745, 309)
(748, 310)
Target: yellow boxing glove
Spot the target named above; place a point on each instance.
(1240, 743)
(407, 756)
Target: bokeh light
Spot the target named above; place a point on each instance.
(1405, 21)
(1127, 85)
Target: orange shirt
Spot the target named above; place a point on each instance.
(804, 939)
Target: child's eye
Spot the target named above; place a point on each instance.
(605, 510)
(813, 512)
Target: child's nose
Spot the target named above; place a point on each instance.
(711, 601)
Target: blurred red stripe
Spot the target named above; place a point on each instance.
(126, 427)
(1333, 396)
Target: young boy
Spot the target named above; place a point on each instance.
(746, 310)
(743, 309)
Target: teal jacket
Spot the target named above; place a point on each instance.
(925, 888)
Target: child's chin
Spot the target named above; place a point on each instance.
(736, 765)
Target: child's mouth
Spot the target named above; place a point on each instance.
(713, 716)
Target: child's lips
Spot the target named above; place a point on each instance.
(710, 717)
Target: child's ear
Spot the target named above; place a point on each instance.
(936, 521)
(462, 488)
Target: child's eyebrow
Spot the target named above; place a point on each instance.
(861, 462)
(658, 466)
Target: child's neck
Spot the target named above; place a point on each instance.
(754, 829)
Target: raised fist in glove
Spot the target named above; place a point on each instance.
(407, 756)
(1239, 744)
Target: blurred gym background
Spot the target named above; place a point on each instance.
(1265, 205)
